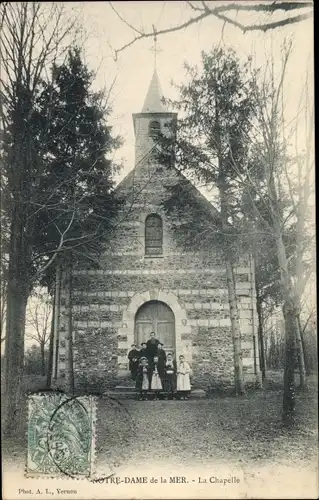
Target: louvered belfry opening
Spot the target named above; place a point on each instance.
(154, 129)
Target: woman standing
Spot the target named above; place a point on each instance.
(183, 379)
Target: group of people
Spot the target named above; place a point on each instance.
(158, 374)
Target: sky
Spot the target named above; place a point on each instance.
(104, 32)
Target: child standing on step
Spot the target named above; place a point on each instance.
(142, 382)
(156, 384)
(183, 379)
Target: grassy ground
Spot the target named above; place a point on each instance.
(222, 430)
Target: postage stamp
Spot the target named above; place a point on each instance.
(61, 435)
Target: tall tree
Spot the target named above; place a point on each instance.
(75, 203)
(268, 187)
(267, 273)
(301, 197)
(257, 161)
(58, 194)
(77, 216)
(211, 134)
(32, 35)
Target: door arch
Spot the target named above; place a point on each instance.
(155, 316)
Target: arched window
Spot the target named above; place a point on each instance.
(154, 129)
(153, 235)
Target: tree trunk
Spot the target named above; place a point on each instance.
(57, 320)
(238, 367)
(14, 358)
(51, 346)
(42, 347)
(19, 162)
(258, 380)
(300, 274)
(17, 296)
(229, 254)
(300, 349)
(290, 312)
(262, 358)
(289, 399)
(69, 333)
(301, 358)
(232, 298)
(304, 350)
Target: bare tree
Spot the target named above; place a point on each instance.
(38, 321)
(32, 36)
(289, 12)
(269, 184)
(301, 192)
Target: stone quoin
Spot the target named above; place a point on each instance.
(145, 283)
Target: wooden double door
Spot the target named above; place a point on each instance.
(155, 316)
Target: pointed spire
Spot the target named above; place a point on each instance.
(153, 101)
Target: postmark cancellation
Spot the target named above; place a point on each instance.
(61, 435)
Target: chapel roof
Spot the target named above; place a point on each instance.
(153, 100)
(187, 186)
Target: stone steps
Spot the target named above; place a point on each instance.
(129, 392)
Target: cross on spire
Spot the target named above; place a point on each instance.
(155, 49)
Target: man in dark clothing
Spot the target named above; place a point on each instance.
(133, 357)
(170, 370)
(143, 351)
(161, 354)
(151, 346)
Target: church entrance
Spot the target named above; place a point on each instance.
(155, 316)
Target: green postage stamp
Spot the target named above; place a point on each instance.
(60, 435)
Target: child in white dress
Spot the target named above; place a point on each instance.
(183, 378)
(142, 379)
(156, 384)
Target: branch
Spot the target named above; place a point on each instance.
(308, 319)
(160, 32)
(221, 12)
(123, 20)
(48, 264)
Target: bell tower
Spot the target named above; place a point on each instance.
(153, 119)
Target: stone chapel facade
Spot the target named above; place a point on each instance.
(146, 283)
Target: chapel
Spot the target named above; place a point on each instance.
(146, 283)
